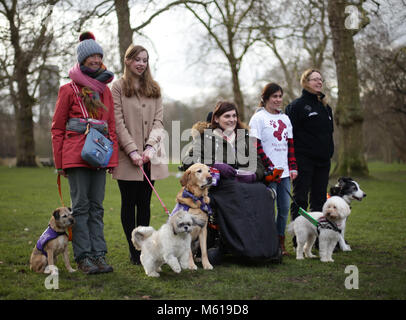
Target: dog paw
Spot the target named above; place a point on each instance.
(193, 267)
(177, 269)
(299, 258)
(71, 270)
(208, 267)
(346, 248)
(153, 274)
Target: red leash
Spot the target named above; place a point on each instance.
(156, 193)
(58, 181)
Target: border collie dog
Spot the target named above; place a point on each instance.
(349, 190)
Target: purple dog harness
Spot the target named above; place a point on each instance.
(49, 234)
(186, 194)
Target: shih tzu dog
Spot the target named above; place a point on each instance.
(334, 212)
(170, 244)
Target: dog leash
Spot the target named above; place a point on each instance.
(325, 224)
(302, 212)
(58, 182)
(156, 193)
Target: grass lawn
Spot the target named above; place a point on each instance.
(375, 231)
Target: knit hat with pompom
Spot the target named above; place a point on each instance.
(88, 46)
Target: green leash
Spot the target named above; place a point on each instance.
(303, 213)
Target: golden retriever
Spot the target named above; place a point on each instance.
(196, 181)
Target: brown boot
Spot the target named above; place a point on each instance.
(282, 245)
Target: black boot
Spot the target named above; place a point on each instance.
(135, 257)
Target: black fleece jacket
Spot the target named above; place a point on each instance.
(313, 128)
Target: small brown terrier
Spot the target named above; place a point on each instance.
(53, 242)
(196, 180)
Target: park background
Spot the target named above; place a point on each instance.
(200, 52)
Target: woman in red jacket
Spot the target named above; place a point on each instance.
(87, 184)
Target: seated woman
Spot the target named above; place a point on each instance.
(243, 206)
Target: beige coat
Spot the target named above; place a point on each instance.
(138, 123)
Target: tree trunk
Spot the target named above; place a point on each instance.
(348, 115)
(238, 97)
(24, 125)
(125, 33)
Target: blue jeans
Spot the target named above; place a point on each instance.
(282, 203)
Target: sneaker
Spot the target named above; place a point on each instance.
(87, 266)
(101, 264)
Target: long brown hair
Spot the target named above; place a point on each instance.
(148, 86)
(223, 107)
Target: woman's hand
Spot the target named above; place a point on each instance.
(293, 174)
(136, 158)
(225, 169)
(62, 172)
(148, 154)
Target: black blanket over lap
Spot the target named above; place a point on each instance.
(246, 216)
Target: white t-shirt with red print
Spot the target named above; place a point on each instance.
(273, 130)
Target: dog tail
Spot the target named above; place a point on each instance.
(140, 234)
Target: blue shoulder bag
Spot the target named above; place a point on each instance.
(97, 149)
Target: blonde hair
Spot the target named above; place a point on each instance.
(304, 82)
(148, 86)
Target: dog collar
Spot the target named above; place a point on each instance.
(47, 235)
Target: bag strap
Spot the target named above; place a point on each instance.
(82, 106)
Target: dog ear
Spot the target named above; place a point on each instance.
(334, 191)
(56, 214)
(185, 178)
(344, 180)
(198, 222)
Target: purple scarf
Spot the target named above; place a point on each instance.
(186, 194)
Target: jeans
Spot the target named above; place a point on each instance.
(87, 188)
(282, 203)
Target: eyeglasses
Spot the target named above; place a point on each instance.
(317, 80)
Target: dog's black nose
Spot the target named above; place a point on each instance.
(210, 179)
